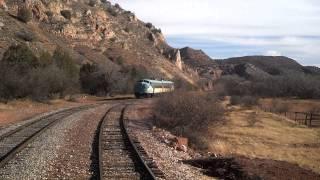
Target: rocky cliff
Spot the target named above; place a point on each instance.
(94, 31)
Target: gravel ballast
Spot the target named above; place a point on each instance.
(61, 152)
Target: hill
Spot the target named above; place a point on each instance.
(94, 32)
(247, 66)
(273, 65)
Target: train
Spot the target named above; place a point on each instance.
(149, 88)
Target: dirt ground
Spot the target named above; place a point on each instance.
(274, 170)
(267, 139)
(19, 110)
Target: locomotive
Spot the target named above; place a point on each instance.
(150, 88)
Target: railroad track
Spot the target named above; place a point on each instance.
(121, 156)
(17, 139)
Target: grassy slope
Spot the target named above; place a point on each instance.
(270, 137)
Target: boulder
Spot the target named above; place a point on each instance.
(133, 18)
(181, 144)
(3, 5)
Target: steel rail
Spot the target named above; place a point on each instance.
(150, 175)
(144, 170)
(25, 140)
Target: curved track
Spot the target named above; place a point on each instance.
(15, 140)
(121, 157)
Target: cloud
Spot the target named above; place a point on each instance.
(291, 27)
(272, 53)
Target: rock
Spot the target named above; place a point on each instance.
(182, 148)
(152, 37)
(109, 34)
(181, 144)
(177, 60)
(28, 2)
(88, 13)
(3, 5)
(133, 18)
(124, 46)
(1, 25)
(69, 30)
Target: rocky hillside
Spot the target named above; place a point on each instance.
(247, 66)
(273, 65)
(93, 31)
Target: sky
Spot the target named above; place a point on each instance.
(231, 28)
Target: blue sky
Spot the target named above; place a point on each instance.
(228, 28)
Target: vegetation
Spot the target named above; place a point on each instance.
(257, 134)
(93, 3)
(25, 75)
(117, 6)
(24, 14)
(287, 85)
(26, 35)
(244, 100)
(97, 80)
(49, 13)
(65, 62)
(188, 114)
(20, 57)
(66, 14)
(113, 11)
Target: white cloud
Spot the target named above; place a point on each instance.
(229, 17)
(291, 27)
(272, 53)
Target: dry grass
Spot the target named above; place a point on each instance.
(294, 105)
(269, 137)
(20, 110)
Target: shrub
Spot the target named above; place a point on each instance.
(64, 61)
(127, 29)
(93, 3)
(47, 81)
(235, 100)
(26, 35)
(181, 84)
(244, 100)
(149, 25)
(113, 11)
(287, 85)
(279, 106)
(98, 79)
(23, 76)
(12, 83)
(66, 14)
(49, 13)
(45, 59)
(24, 14)
(113, 39)
(117, 6)
(249, 101)
(157, 31)
(21, 57)
(186, 113)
